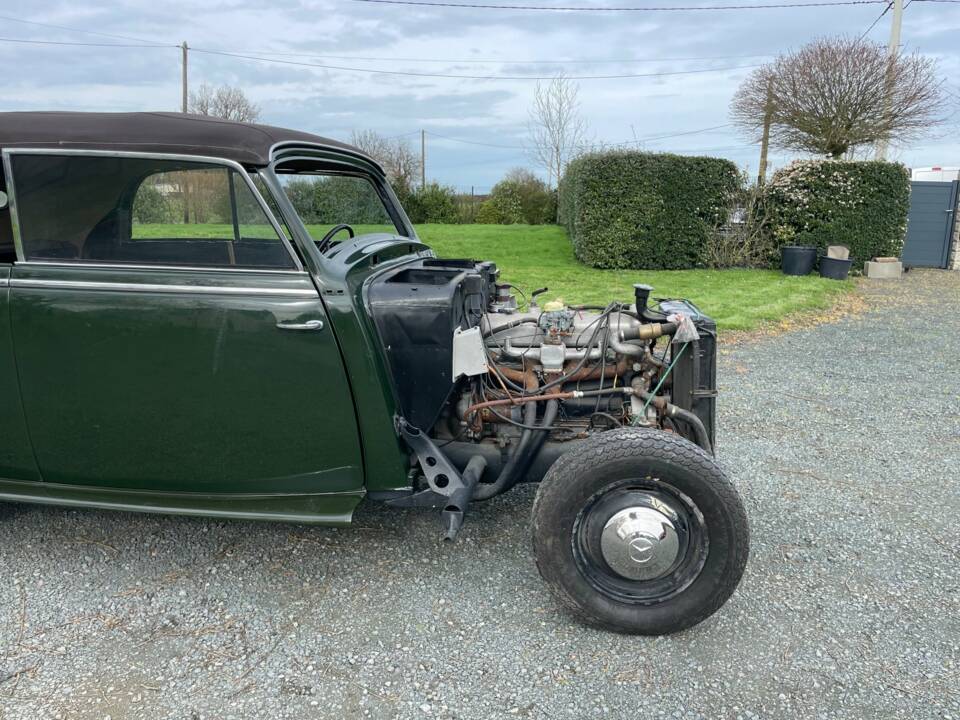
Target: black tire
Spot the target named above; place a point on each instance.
(620, 466)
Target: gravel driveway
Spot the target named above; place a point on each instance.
(844, 440)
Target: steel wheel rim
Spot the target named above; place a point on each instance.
(658, 531)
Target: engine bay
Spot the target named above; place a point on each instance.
(482, 368)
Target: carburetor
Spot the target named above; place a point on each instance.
(556, 321)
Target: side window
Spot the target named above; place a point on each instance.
(142, 211)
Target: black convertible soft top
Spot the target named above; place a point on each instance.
(155, 132)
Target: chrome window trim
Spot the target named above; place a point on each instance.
(307, 145)
(160, 288)
(8, 153)
(12, 203)
(132, 266)
(378, 184)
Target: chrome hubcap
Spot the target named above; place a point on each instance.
(640, 543)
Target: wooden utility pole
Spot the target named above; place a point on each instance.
(765, 140)
(183, 77)
(423, 158)
(893, 49)
(184, 192)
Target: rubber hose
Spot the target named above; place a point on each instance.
(549, 415)
(506, 326)
(696, 423)
(485, 491)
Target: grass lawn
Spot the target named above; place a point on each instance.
(536, 256)
(541, 255)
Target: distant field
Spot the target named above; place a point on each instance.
(535, 256)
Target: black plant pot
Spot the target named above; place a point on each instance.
(834, 268)
(797, 259)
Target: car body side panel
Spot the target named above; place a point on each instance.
(318, 508)
(16, 455)
(180, 381)
(341, 276)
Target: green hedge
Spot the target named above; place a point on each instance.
(627, 209)
(432, 203)
(860, 204)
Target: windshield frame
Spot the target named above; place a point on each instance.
(327, 162)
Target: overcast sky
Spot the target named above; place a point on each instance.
(466, 42)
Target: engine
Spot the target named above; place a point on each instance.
(479, 370)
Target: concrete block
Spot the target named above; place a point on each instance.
(883, 270)
(838, 252)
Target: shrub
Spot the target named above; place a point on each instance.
(628, 209)
(487, 214)
(860, 204)
(505, 205)
(433, 203)
(300, 192)
(537, 202)
(745, 240)
(151, 206)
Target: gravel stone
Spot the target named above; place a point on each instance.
(844, 440)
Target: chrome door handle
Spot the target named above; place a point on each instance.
(308, 325)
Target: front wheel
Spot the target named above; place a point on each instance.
(640, 531)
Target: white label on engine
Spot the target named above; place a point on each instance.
(469, 357)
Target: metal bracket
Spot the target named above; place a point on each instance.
(442, 477)
(447, 488)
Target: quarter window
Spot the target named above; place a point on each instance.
(142, 211)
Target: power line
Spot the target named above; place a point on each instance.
(677, 134)
(376, 71)
(874, 23)
(502, 61)
(451, 61)
(79, 30)
(651, 138)
(474, 142)
(410, 73)
(83, 44)
(667, 8)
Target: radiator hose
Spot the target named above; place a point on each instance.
(531, 442)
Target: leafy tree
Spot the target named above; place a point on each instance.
(150, 206)
(836, 94)
(300, 192)
(433, 203)
(537, 201)
(505, 205)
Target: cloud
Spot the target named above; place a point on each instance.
(335, 102)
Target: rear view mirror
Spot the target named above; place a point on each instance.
(3, 200)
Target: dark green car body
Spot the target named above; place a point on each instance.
(180, 389)
(185, 329)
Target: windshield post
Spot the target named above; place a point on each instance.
(301, 236)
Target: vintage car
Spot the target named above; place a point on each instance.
(212, 318)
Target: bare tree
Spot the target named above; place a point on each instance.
(399, 159)
(836, 94)
(225, 102)
(557, 130)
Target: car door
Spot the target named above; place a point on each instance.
(166, 336)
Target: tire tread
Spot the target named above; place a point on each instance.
(626, 444)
